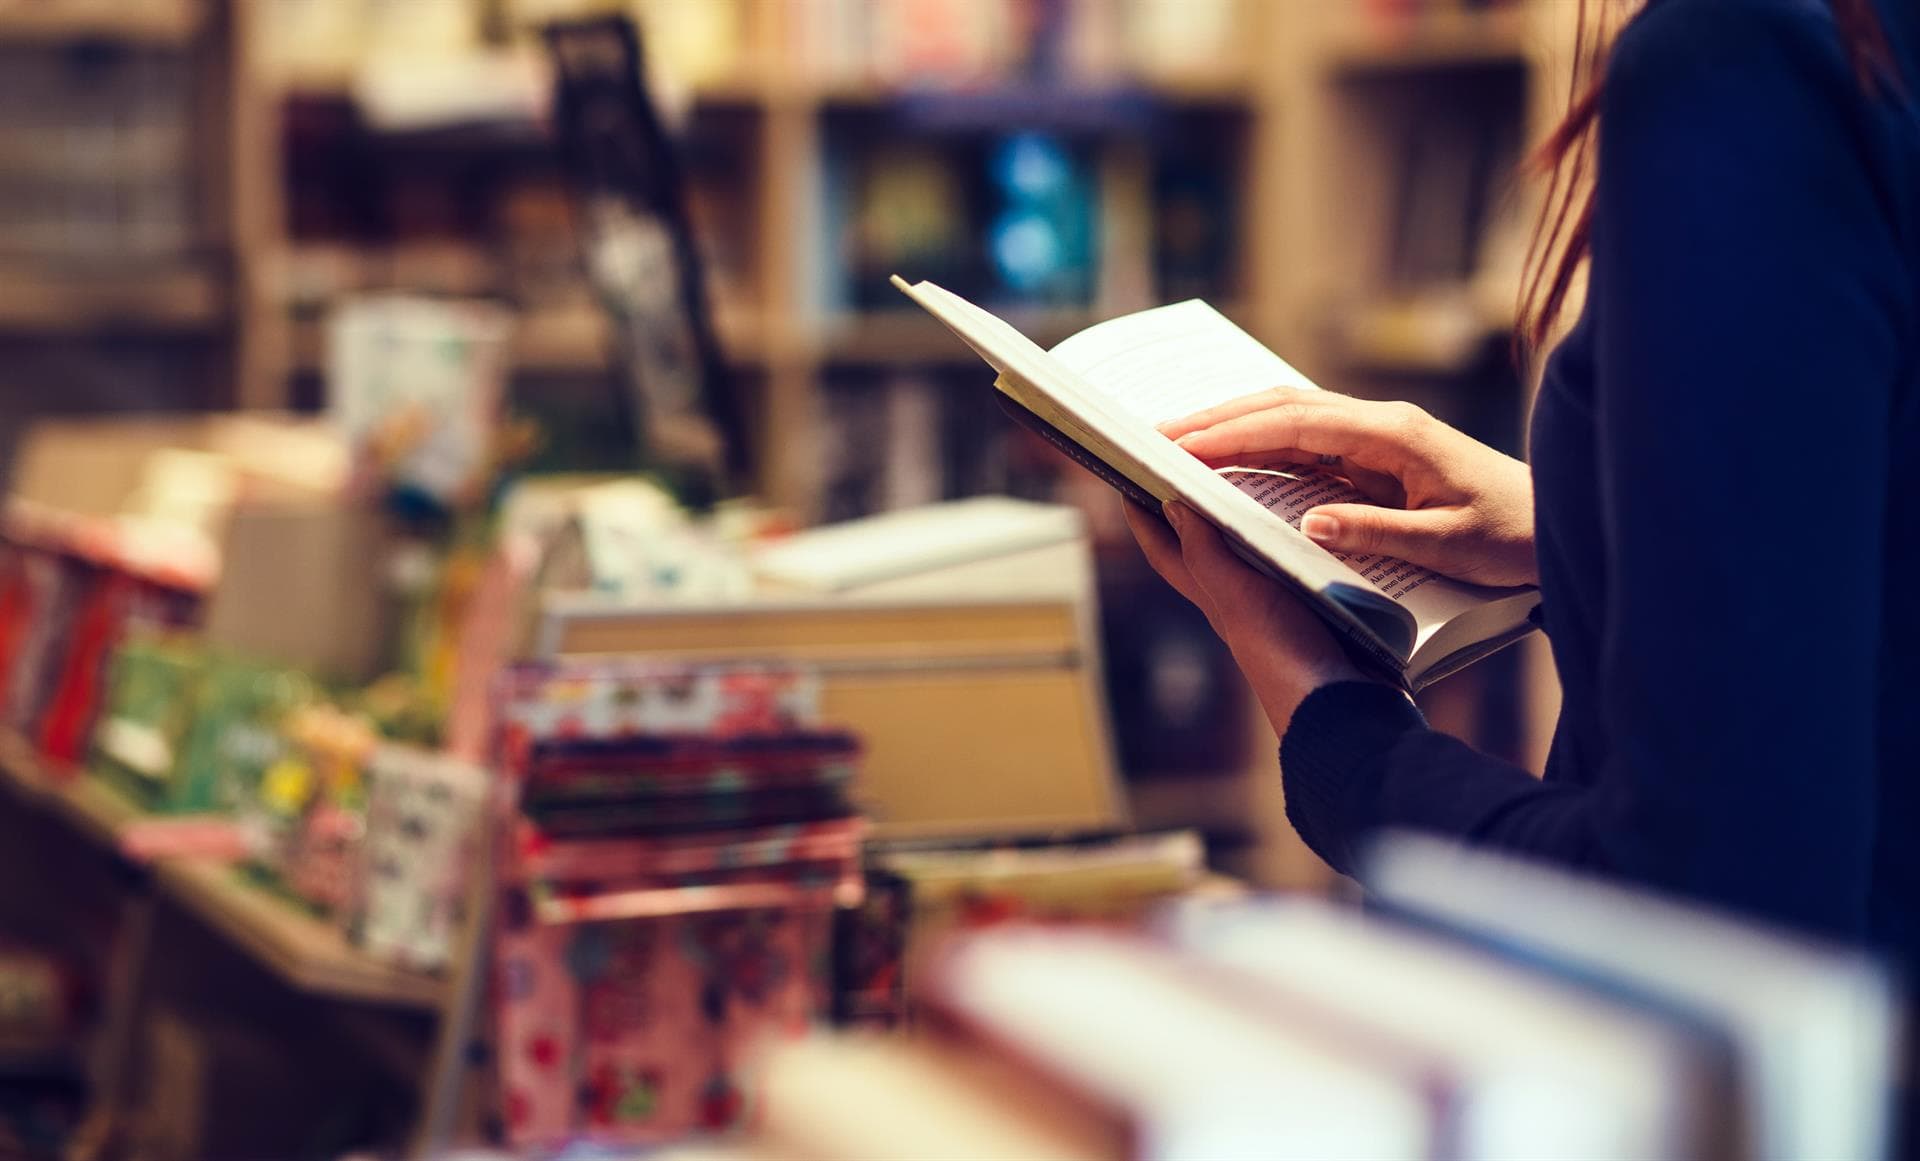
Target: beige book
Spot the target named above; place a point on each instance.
(856, 1098)
(1193, 1069)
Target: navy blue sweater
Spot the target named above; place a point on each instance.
(1726, 460)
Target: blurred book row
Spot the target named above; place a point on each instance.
(708, 42)
(1489, 1009)
(1484, 1008)
(96, 162)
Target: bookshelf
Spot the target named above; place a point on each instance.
(1308, 104)
(1302, 208)
(130, 204)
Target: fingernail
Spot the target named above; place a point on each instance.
(1320, 527)
(1176, 514)
(1186, 439)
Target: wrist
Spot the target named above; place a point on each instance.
(1281, 681)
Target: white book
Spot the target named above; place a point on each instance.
(1527, 1067)
(900, 544)
(1815, 1027)
(1099, 395)
(857, 1098)
(1195, 1074)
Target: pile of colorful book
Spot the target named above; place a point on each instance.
(1486, 1008)
(684, 836)
(262, 765)
(70, 589)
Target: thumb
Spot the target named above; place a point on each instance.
(1417, 536)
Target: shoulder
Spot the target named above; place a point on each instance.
(1701, 38)
(1765, 68)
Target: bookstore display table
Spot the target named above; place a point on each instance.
(309, 957)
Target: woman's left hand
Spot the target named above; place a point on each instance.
(1284, 650)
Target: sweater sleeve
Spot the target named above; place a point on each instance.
(1747, 311)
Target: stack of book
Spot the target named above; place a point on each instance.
(71, 588)
(919, 894)
(683, 838)
(1487, 1009)
(954, 43)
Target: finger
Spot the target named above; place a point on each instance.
(1234, 408)
(1227, 581)
(1379, 487)
(1282, 457)
(1379, 437)
(1162, 549)
(1418, 537)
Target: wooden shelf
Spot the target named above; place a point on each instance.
(88, 806)
(181, 299)
(335, 85)
(1193, 88)
(577, 339)
(306, 953)
(565, 341)
(146, 22)
(912, 336)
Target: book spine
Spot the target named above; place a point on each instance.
(1114, 478)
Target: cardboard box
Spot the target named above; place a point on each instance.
(302, 575)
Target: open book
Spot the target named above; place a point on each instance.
(1098, 396)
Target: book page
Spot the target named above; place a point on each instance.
(1172, 361)
(1290, 495)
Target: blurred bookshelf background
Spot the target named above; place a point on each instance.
(202, 183)
(199, 198)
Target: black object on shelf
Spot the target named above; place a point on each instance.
(642, 261)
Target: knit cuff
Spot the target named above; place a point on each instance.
(1334, 757)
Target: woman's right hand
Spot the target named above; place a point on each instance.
(1444, 500)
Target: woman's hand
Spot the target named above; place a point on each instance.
(1283, 648)
(1451, 503)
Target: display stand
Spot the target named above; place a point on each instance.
(305, 954)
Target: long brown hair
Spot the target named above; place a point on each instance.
(1566, 160)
